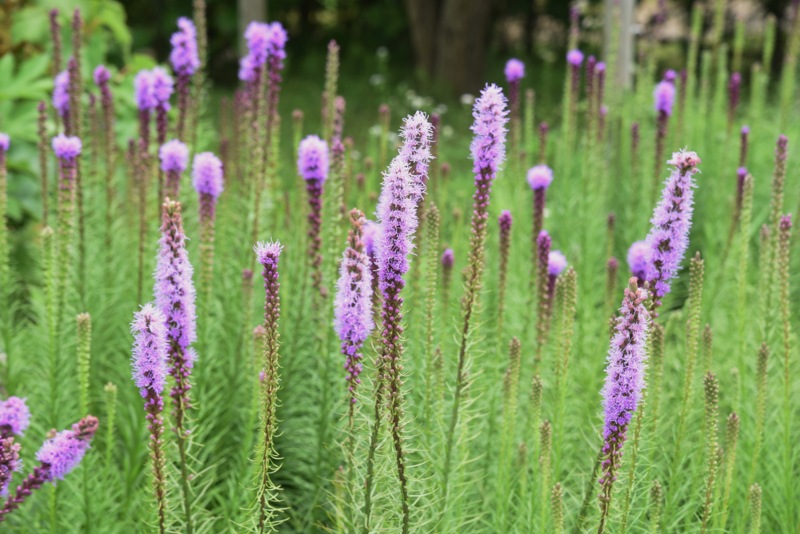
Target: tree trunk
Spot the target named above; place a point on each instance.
(461, 44)
(422, 20)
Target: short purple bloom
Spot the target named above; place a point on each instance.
(515, 70)
(312, 159)
(540, 177)
(5, 142)
(268, 253)
(664, 96)
(640, 260)
(556, 263)
(174, 156)
(149, 360)
(64, 452)
(183, 56)
(14, 416)
(143, 91)
(61, 93)
(600, 67)
(207, 174)
(575, 57)
(67, 148)
(505, 221)
(745, 130)
(101, 75)
(162, 87)
(257, 36)
(448, 258)
(670, 76)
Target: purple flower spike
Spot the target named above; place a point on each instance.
(417, 134)
(575, 57)
(556, 263)
(257, 36)
(669, 236)
(14, 417)
(9, 463)
(162, 86)
(600, 67)
(640, 260)
(268, 253)
(670, 76)
(627, 357)
(540, 177)
(101, 75)
(276, 42)
(143, 91)
(174, 156)
(448, 258)
(515, 70)
(61, 94)
(5, 142)
(664, 96)
(488, 146)
(149, 362)
(312, 159)
(66, 148)
(207, 174)
(505, 221)
(183, 56)
(62, 453)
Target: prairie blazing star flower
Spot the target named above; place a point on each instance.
(540, 177)
(353, 304)
(734, 92)
(743, 135)
(312, 165)
(448, 258)
(627, 357)
(174, 157)
(183, 56)
(669, 236)
(14, 417)
(504, 221)
(144, 94)
(207, 181)
(417, 135)
(514, 70)
(101, 75)
(5, 142)
(640, 261)
(9, 463)
(556, 263)
(664, 97)
(162, 85)
(257, 36)
(575, 57)
(61, 94)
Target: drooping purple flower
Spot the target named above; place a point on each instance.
(149, 361)
(664, 97)
(183, 56)
(101, 75)
(162, 87)
(257, 36)
(14, 417)
(669, 236)
(61, 94)
(207, 174)
(556, 263)
(312, 159)
(143, 91)
(62, 453)
(627, 358)
(640, 260)
(540, 177)
(67, 148)
(514, 71)
(448, 258)
(353, 304)
(5, 142)
(174, 156)
(575, 57)
(9, 463)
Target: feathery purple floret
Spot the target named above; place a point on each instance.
(448, 258)
(67, 148)
(417, 134)
(640, 260)
(207, 174)
(669, 236)
(183, 56)
(174, 156)
(143, 91)
(268, 253)
(664, 97)
(276, 44)
(62, 453)
(515, 70)
(540, 177)
(312, 159)
(14, 416)
(61, 93)
(627, 358)
(257, 36)
(556, 263)
(162, 87)
(149, 361)
(397, 215)
(101, 75)
(488, 146)
(575, 57)
(353, 305)
(5, 142)
(670, 76)
(505, 221)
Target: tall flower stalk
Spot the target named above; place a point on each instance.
(149, 366)
(268, 255)
(505, 222)
(312, 165)
(627, 357)
(4, 265)
(664, 97)
(102, 77)
(185, 62)
(175, 298)
(174, 157)
(207, 180)
(539, 179)
(488, 150)
(514, 72)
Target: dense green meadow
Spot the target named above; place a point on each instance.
(522, 455)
